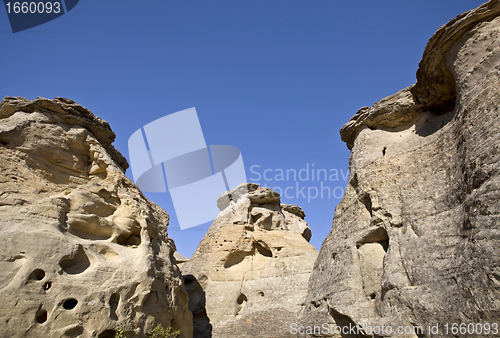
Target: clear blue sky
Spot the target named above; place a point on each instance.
(275, 78)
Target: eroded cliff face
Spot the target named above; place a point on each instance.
(248, 277)
(415, 239)
(83, 251)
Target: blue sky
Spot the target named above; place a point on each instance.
(275, 78)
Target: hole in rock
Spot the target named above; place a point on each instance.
(372, 249)
(47, 286)
(241, 299)
(354, 181)
(344, 321)
(235, 258)
(113, 305)
(261, 293)
(69, 304)
(263, 250)
(383, 151)
(89, 226)
(377, 235)
(419, 333)
(255, 218)
(106, 251)
(74, 332)
(151, 302)
(75, 264)
(37, 274)
(108, 334)
(41, 316)
(367, 201)
(3, 142)
(129, 239)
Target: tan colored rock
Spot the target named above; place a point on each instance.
(83, 251)
(248, 277)
(415, 239)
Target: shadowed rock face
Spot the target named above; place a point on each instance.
(415, 239)
(248, 277)
(83, 250)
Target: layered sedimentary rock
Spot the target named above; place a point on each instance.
(415, 239)
(248, 277)
(83, 251)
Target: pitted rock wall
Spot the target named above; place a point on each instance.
(83, 252)
(248, 277)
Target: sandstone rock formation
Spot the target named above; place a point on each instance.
(248, 277)
(83, 251)
(415, 239)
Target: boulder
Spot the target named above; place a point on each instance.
(248, 277)
(83, 252)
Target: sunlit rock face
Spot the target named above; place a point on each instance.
(415, 239)
(248, 277)
(83, 252)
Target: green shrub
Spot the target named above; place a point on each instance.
(158, 332)
(118, 333)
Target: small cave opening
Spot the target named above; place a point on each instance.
(130, 239)
(108, 334)
(74, 332)
(76, 263)
(367, 201)
(263, 249)
(70, 304)
(241, 299)
(47, 286)
(37, 274)
(41, 316)
(372, 249)
(114, 300)
(384, 150)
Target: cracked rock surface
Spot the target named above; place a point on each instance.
(83, 251)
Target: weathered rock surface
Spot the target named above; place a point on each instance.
(83, 251)
(415, 239)
(248, 277)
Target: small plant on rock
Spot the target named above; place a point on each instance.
(158, 332)
(118, 333)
